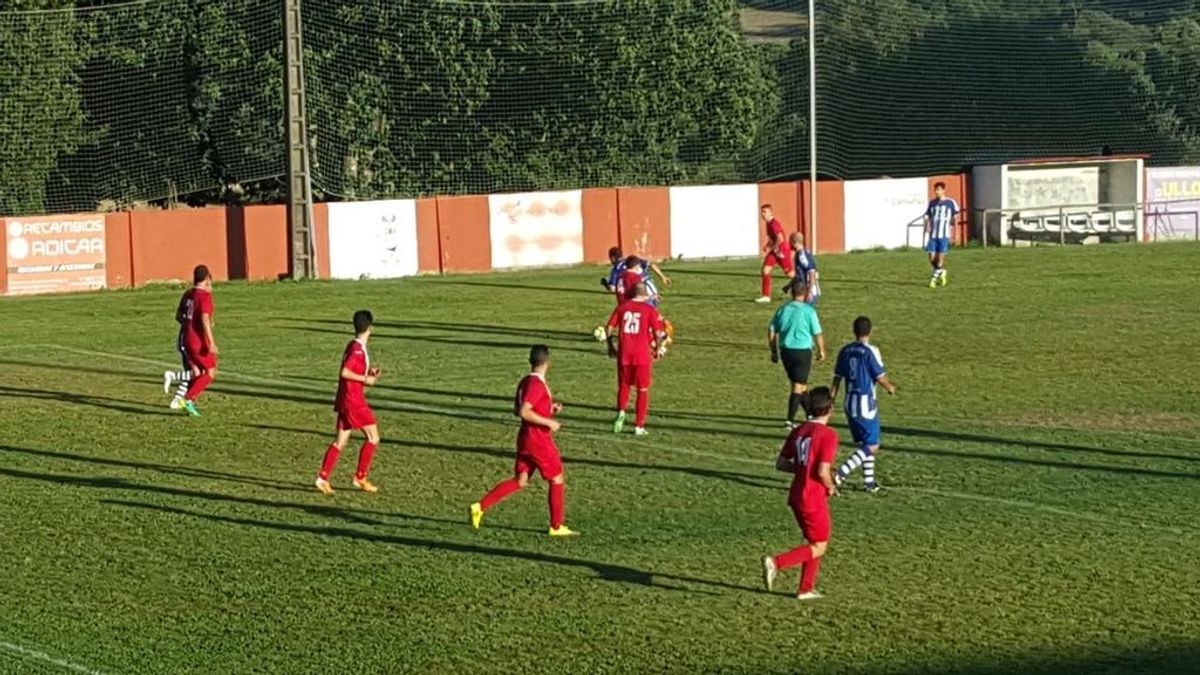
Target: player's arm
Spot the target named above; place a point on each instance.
(527, 414)
(662, 277)
(820, 346)
(785, 464)
(773, 343)
(206, 320)
(887, 385)
(825, 473)
(835, 387)
(369, 379)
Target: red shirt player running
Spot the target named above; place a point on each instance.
(536, 450)
(635, 335)
(809, 453)
(196, 342)
(778, 250)
(352, 409)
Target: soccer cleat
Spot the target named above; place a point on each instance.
(190, 408)
(762, 299)
(477, 515)
(809, 595)
(872, 487)
(789, 425)
(619, 423)
(944, 279)
(640, 431)
(324, 486)
(563, 531)
(365, 485)
(769, 572)
(168, 380)
(838, 479)
(176, 403)
(933, 282)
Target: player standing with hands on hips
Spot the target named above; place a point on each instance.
(939, 223)
(791, 335)
(352, 409)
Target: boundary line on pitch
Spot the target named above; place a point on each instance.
(43, 657)
(969, 496)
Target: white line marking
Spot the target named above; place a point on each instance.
(46, 658)
(1020, 503)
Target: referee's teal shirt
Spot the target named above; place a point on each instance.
(797, 324)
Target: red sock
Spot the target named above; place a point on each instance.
(365, 455)
(330, 461)
(557, 504)
(766, 285)
(643, 406)
(622, 397)
(808, 575)
(796, 556)
(198, 386)
(498, 493)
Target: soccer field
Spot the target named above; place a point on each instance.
(1042, 464)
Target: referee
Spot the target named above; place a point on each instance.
(790, 335)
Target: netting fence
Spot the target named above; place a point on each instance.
(110, 104)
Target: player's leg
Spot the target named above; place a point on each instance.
(871, 442)
(502, 490)
(182, 376)
(207, 364)
(549, 463)
(944, 249)
(798, 365)
(768, 269)
(331, 455)
(624, 384)
(810, 524)
(366, 454)
(642, 379)
(860, 433)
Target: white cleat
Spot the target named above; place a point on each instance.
(176, 403)
(811, 595)
(790, 425)
(640, 431)
(765, 298)
(168, 380)
(769, 572)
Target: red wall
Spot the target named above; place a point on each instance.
(600, 230)
(168, 244)
(464, 225)
(644, 221)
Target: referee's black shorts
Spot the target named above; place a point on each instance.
(797, 363)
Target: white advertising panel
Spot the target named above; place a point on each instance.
(535, 229)
(1173, 211)
(55, 254)
(716, 221)
(879, 212)
(373, 240)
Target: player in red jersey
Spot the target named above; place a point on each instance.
(536, 450)
(196, 343)
(778, 250)
(808, 453)
(635, 338)
(352, 409)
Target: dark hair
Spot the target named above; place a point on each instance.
(766, 206)
(538, 355)
(200, 274)
(614, 253)
(862, 327)
(632, 261)
(939, 184)
(362, 321)
(820, 402)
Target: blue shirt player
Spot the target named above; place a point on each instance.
(805, 269)
(860, 366)
(939, 223)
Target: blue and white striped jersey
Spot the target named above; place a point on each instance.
(941, 213)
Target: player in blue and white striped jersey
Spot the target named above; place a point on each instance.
(860, 366)
(939, 226)
(804, 269)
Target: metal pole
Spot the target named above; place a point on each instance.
(812, 124)
(299, 182)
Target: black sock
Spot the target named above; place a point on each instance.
(795, 403)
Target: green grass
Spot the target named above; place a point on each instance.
(1043, 458)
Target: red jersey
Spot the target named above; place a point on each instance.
(626, 284)
(350, 395)
(194, 304)
(775, 234)
(810, 445)
(639, 325)
(534, 391)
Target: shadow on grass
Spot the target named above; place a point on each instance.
(749, 480)
(1165, 659)
(531, 333)
(604, 571)
(1040, 445)
(490, 344)
(1074, 466)
(105, 402)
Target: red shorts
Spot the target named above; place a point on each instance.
(545, 460)
(203, 358)
(635, 376)
(783, 260)
(815, 525)
(354, 418)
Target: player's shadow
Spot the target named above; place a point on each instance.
(686, 272)
(960, 437)
(171, 469)
(1074, 466)
(531, 333)
(747, 479)
(604, 571)
(458, 342)
(598, 293)
(105, 402)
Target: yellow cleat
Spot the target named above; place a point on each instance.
(365, 485)
(476, 515)
(933, 282)
(324, 486)
(945, 278)
(563, 531)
